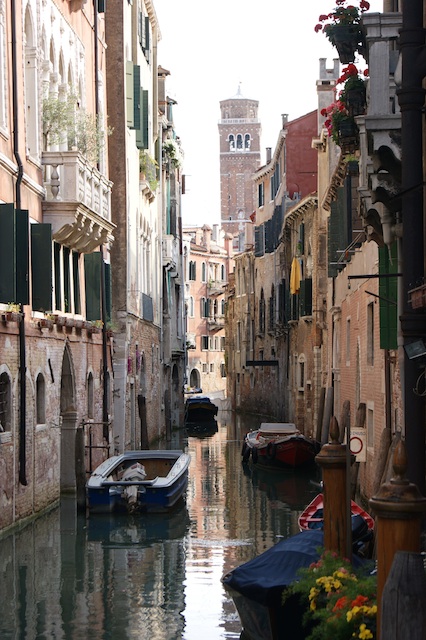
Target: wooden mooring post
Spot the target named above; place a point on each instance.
(332, 460)
(398, 506)
(404, 598)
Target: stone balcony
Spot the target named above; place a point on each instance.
(215, 323)
(78, 201)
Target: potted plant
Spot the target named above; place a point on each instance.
(340, 602)
(148, 169)
(343, 28)
(172, 152)
(354, 92)
(341, 127)
(65, 123)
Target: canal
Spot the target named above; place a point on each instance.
(151, 577)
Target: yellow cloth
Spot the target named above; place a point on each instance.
(295, 276)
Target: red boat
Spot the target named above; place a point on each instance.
(279, 444)
(313, 516)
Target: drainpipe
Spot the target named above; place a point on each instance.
(411, 98)
(22, 362)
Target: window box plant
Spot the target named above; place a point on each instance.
(344, 30)
(148, 169)
(340, 602)
(172, 152)
(354, 92)
(341, 127)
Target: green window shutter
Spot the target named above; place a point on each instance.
(92, 278)
(136, 98)
(22, 256)
(145, 119)
(108, 291)
(76, 281)
(41, 266)
(14, 254)
(101, 6)
(337, 233)
(57, 258)
(147, 41)
(7, 253)
(388, 292)
(129, 95)
(67, 282)
(139, 130)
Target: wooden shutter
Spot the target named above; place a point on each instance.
(76, 282)
(108, 291)
(41, 267)
(14, 254)
(144, 119)
(57, 258)
(306, 297)
(129, 95)
(137, 98)
(388, 292)
(92, 279)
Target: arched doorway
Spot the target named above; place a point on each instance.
(69, 423)
(195, 379)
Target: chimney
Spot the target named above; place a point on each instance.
(268, 154)
(284, 119)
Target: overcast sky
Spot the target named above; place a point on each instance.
(270, 47)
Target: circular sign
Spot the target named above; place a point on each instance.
(356, 445)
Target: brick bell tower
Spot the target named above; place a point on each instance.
(239, 132)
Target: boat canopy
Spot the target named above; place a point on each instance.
(284, 428)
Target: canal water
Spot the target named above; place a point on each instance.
(152, 577)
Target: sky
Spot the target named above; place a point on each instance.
(269, 48)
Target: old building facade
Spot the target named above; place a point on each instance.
(56, 233)
(208, 263)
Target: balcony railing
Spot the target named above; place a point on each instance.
(216, 322)
(78, 201)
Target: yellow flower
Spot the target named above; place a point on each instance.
(364, 633)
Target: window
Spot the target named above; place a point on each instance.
(239, 141)
(203, 272)
(370, 425)
(191, 307)
(40, 399)
(231, 140)
(5, 403)
(222, 370)
(211, 367)
(247, 142)
(272, 310)
(238, 345)
(222, 343)
(204, 367)
(222, 307)
(192, 270)
(262, 313)
(90, 397)
(222, 273)
(348, 340)
(370, 334)
(260, 195)
(301, 373)
(204, 343)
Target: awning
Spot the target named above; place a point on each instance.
(295, 276)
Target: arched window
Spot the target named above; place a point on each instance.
(192, 270)
(222, 306)
(5, 403)
(90, 397)
(222, 273)
(191, 307)
(40, 399)
(231, 141)
(247, 141)
(203, 272)
(272, 309)
(31, 90)
(239, 141)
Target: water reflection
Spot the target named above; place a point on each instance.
(157, 577)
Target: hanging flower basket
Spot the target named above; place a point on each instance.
(344, 30)
(347, 40)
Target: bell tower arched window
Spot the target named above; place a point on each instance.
(247, 142)
(231, 140)
(239, 141)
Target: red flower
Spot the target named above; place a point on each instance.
(318, 27)
(340, 604)
(364, 5)
(359, 601)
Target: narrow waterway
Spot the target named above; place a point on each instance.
(151, 577)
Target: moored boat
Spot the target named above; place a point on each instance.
(138, 481)
(312, 518)
(279, 444)
(199, 409)
(257, 586)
